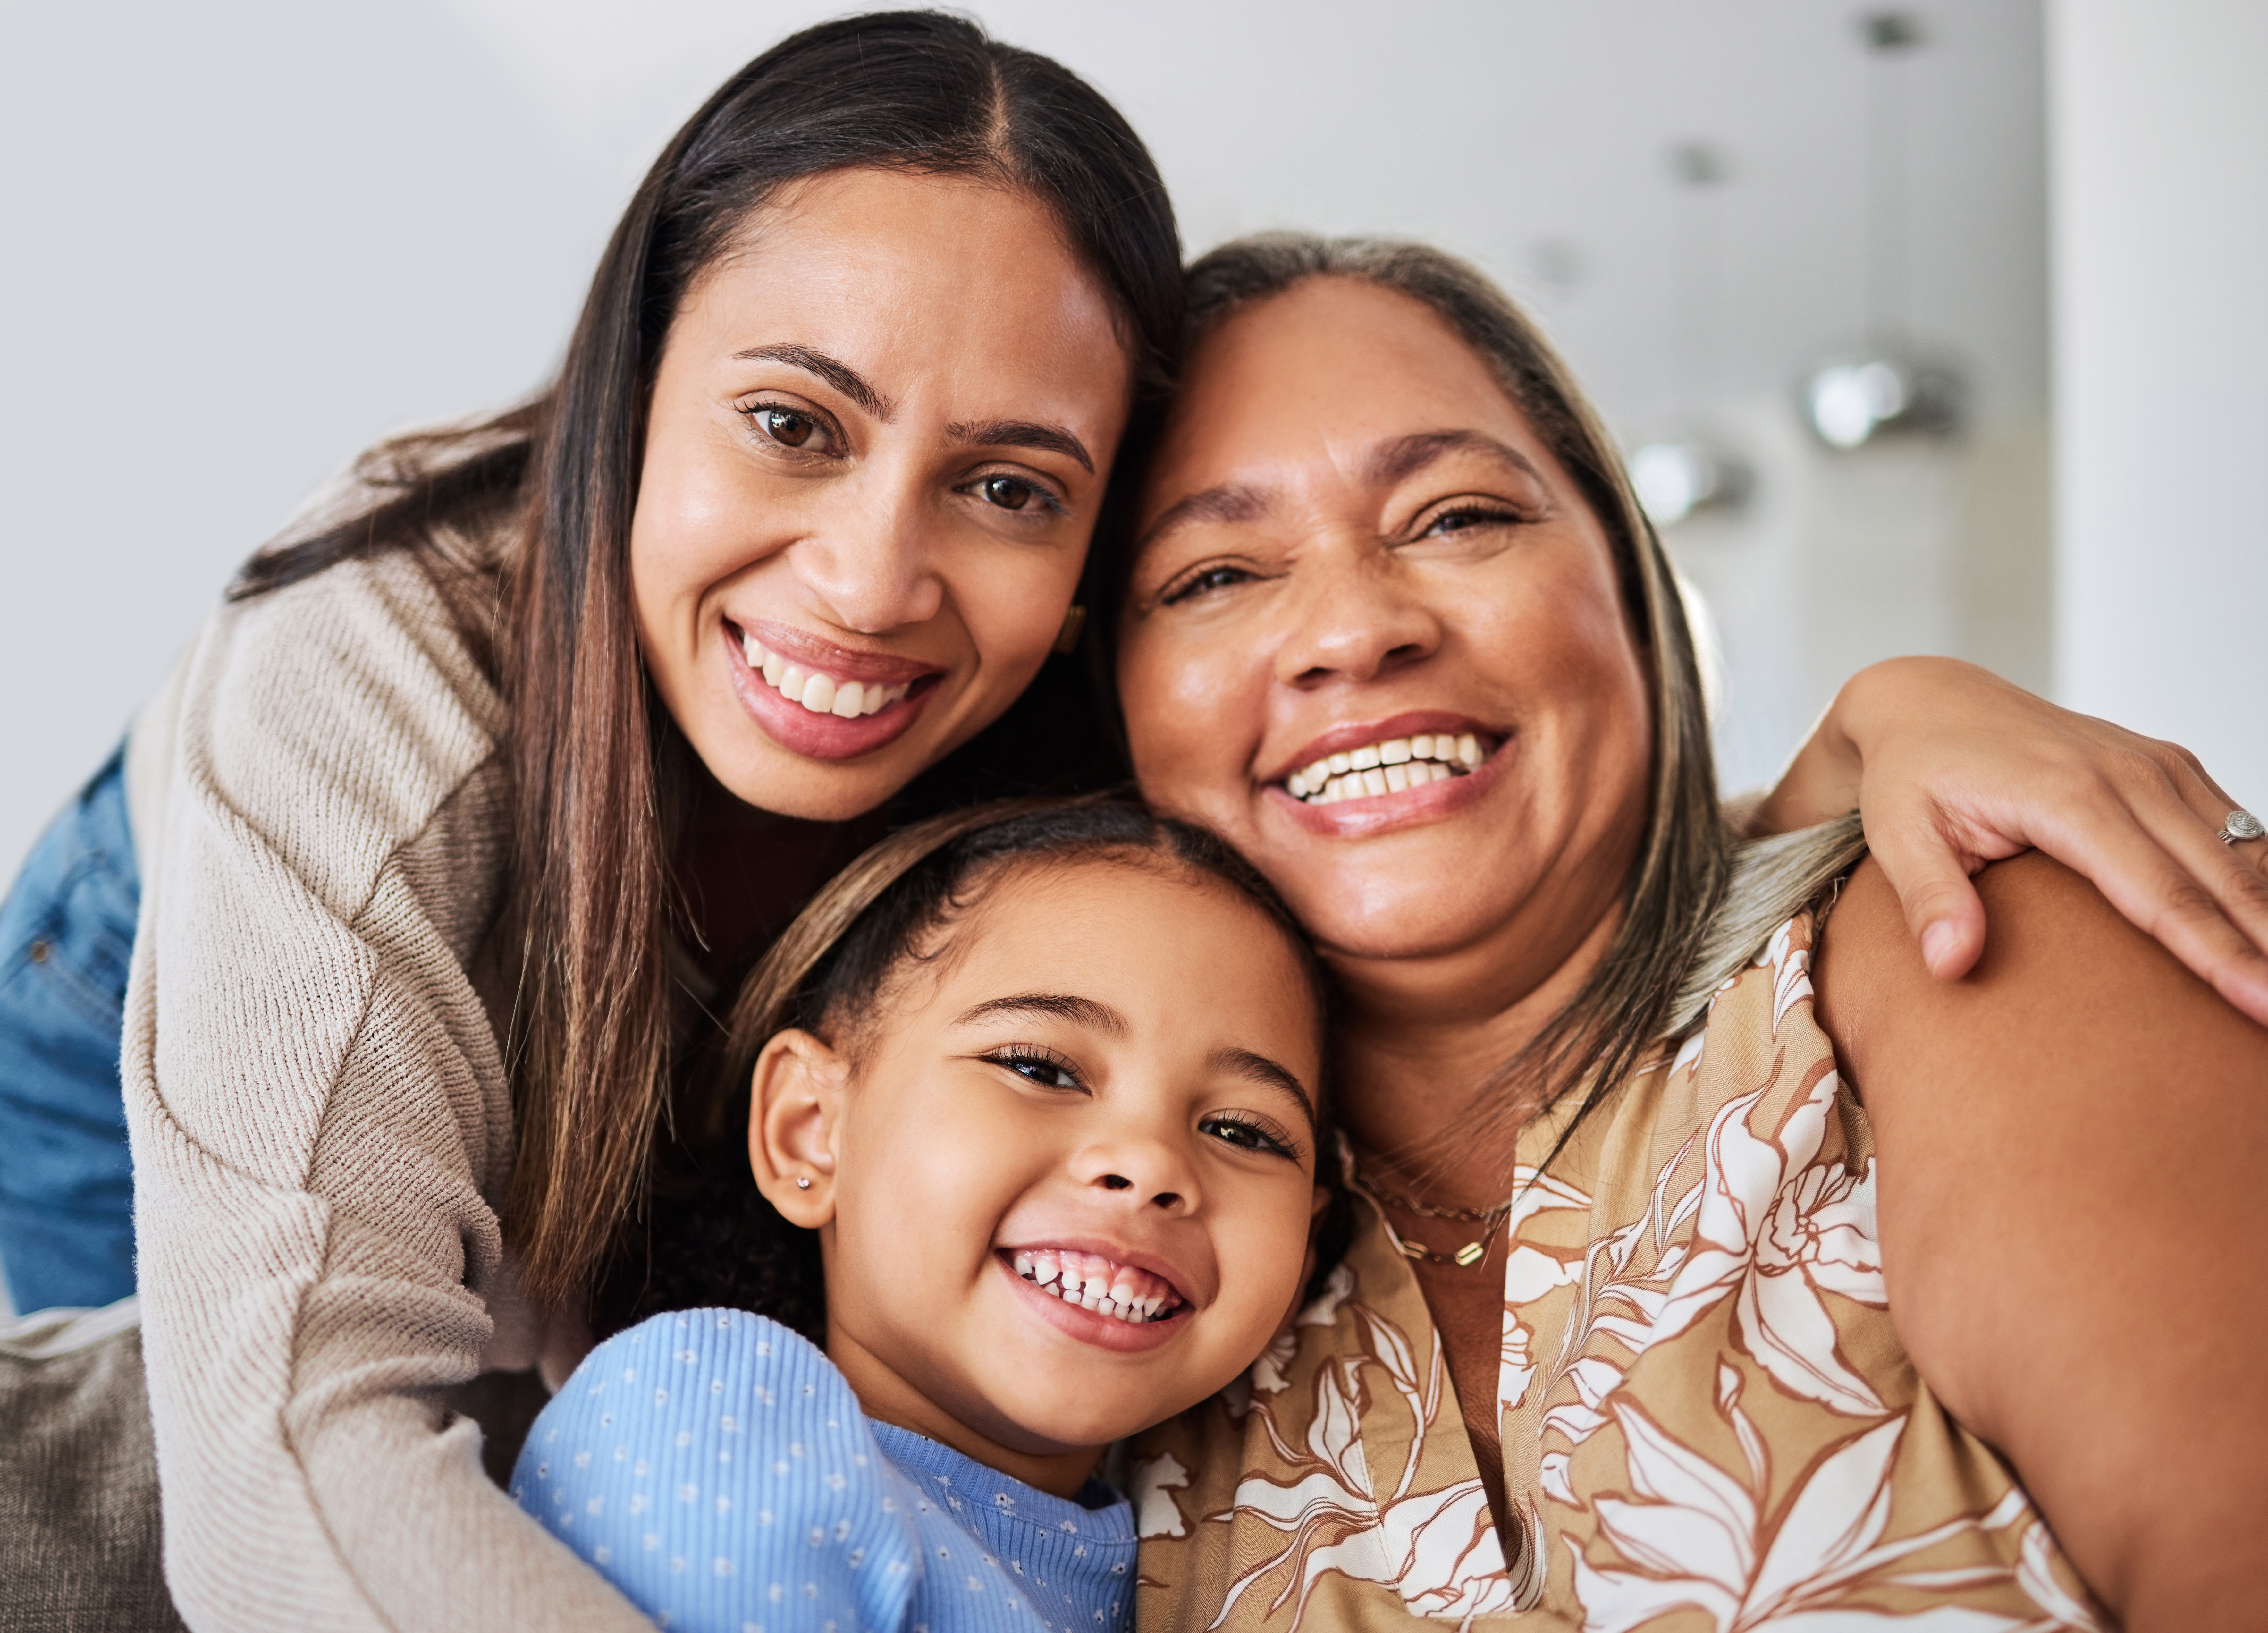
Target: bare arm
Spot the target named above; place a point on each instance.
(1953, 767)
(2073, 1147)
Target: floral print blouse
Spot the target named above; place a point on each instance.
(1708, 1421)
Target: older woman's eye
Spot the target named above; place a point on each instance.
(1204, 581)
(1464, 520)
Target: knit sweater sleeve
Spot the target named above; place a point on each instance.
(320, 1125)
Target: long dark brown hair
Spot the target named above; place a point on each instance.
(589, 897)
(1679, 878)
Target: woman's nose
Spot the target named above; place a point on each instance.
(1354, 619)
(872, 567)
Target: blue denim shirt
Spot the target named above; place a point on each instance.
(66, 939)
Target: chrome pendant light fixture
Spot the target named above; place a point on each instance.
(1888, 385)
(1691, 471)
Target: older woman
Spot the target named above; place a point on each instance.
(1633, 1324)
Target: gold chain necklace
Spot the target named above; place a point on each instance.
(1490, 1219)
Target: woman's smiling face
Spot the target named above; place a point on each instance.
(1360, 566)
(878, 439)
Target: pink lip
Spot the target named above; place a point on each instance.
(844, 663)
(823, 737)
(1104, 1332)
(1361, 734)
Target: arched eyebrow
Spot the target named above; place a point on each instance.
(1267, 1074)
(1389, 462)
(1023, 434)
(1404, 457)
(1089, 1013)
(1229, 504)
(835, 372)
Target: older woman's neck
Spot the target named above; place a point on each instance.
(1420, 1038)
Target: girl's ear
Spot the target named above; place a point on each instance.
(794, 1116)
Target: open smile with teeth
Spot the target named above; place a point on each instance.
(816, 690)
(1387, 768)
(1093, 1283)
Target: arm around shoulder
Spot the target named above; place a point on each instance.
(320, 1121)
(2073, 1142)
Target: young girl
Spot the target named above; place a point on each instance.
(1044, 1080)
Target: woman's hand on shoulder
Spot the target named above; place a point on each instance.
(2072, 1145)
(1954, 768)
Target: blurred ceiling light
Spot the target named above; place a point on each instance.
(1885, 388)
(1850, 403)
(1675, 478)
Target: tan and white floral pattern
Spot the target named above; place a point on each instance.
(1707, 1420)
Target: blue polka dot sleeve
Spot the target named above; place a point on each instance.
(716, 1467)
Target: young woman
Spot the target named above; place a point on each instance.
(454, 794)
(1396, 627)
(451, 820)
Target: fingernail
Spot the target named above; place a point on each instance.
(1936, 944)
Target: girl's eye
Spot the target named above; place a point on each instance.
(1045, 1068)
(1245, 1134)
(787, 427)
(1204, 581)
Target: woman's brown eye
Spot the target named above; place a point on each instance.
(1006, 492)
(786, 426)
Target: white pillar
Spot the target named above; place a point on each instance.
(2159, 165)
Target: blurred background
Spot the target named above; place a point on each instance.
(1933, 328)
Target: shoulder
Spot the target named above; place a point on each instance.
(702, 1458)
(2065, 984)
(723, 1373)
(326, 727)
(365, 656)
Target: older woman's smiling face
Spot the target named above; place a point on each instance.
(1359, 567)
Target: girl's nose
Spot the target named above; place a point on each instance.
(874, 569)
(1357, 617)
(1145, 1171)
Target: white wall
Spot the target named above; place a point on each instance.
(2160, 256)
(240, 238)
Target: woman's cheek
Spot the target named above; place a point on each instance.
(1182, 723)
(1015, 614)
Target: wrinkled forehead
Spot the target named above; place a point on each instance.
(1335, 384)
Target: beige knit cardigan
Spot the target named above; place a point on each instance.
(321, 1126)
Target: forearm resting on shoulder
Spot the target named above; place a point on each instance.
(2074, 1148)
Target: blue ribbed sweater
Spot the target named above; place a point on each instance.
(716, 1468)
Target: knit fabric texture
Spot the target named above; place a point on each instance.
(320, 1125)
(717, 1467)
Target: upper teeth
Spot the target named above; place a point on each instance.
(1385, 768)
(1095, 1283)
(818, 692)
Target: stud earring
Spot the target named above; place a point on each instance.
(1074, 621)
(803, 1182)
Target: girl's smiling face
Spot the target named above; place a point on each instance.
(1100, 1082)
(876, 440)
